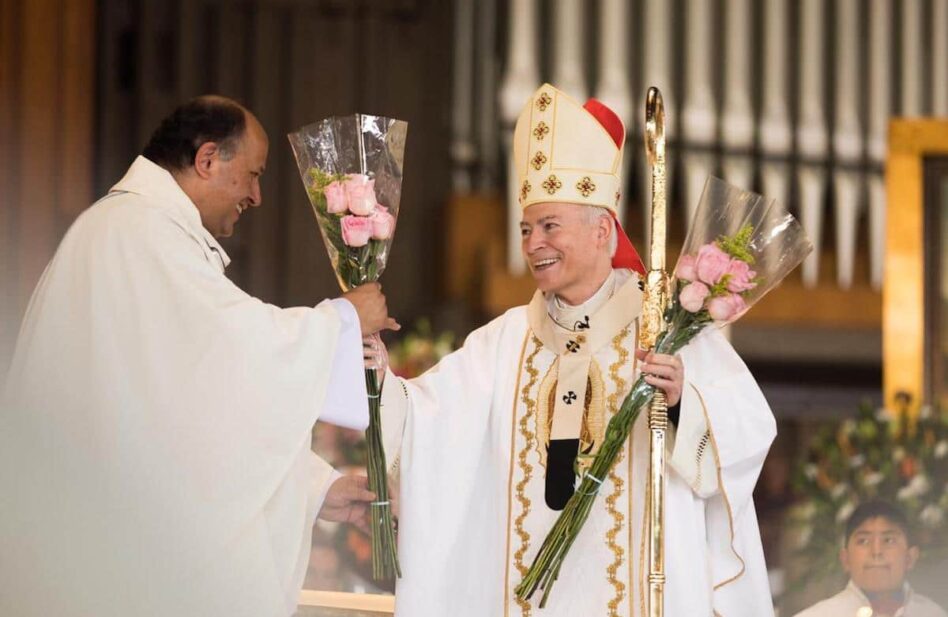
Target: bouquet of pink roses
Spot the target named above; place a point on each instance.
(352, 169)
(740, 247)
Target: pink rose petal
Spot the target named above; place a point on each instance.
(383, 223)
(741, 276)
(726, 308)
(356, 230)
(685, 270)
(336, 200)
(361, 192)
(692, 296)
(711, 264)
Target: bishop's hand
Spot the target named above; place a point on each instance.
(374, 353)
(665, 372)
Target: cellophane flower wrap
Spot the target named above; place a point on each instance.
(351, 167)
(739, 247)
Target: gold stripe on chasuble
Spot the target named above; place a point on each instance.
(526, 470)
(619, 387)
(513, 444)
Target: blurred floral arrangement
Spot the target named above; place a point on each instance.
(410, 356)
(877, 454)
(419, 350)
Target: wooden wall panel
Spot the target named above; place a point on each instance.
(9, 182)
(47, 64)
(403, 43)
(292, 62)
(117, 129)
(323, 82)
(38, 154)
(78, 102)
(269, 69)
(189, 49)
(155, 88)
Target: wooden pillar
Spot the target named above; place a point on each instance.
(903, 291)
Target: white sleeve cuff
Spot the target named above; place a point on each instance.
(692, 453)
(394, 413)
(346, 403)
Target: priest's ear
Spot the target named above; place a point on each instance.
(205, 158)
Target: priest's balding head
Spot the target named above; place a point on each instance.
(216, 150)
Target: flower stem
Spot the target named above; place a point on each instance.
(384, 550)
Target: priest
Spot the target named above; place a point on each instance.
(155, 433)
(488, 444)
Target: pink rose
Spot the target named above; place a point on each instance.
(356, 230)
(383, 223)
(726, 308)
(692, 296)
(685, 270)
(741, 276)
(361, 192)
(711, 264)
(336, 200)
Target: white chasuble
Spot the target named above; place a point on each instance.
(155, 436)
(469, 442)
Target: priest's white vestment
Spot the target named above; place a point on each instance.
(469, 441)
(155, 435)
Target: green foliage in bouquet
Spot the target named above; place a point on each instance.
(876, 455)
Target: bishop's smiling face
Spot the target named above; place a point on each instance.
(566, 249)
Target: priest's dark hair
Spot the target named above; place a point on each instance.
(208, 118)
(878, 508)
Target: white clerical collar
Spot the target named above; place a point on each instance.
(150, 180)
(572, 317)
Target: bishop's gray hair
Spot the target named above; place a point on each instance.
(591, 216)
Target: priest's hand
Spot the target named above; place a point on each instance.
(369, 303)
(348, 502)
(667, 373)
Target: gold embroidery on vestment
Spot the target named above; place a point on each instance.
(539, 159)
(586, 186)
(552, 184)
(541, 130)
(635, 364)
(617, 482)
(525, 467)
(544, 101)
(513, 445)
